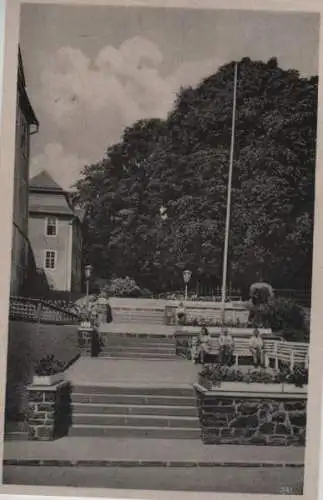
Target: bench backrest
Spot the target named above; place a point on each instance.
(240, 344)
(276, 349)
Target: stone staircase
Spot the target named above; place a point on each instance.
(138, 346)
(15, 431)
(145, 412)
(138, 315)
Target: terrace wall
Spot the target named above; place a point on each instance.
(256, 419)
(35, 331)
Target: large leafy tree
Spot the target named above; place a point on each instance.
(181, 164)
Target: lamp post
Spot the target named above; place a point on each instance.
(88, 272)
(186, 276)
(228, 214)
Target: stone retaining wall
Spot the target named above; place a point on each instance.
(27, 344)
(49, 411)
(272, 419)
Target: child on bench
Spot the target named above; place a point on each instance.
(226, 348)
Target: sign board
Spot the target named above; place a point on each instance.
(85, 325)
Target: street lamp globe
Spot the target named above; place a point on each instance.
(187, 275)
(88, 271)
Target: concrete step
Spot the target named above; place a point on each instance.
(145, 421)
(16, 436)
(15, 431)
(138, 338)
(142, 432)
(111, 399)
(142, 316)
(137, 321)
(136, 309)
(134, 346)
(136, 390)
(138, 317)
(123, 409)
(125, 354)
(135, 358)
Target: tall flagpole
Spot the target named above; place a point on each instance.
(227, 223)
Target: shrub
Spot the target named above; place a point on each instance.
(216, 374)
(123, 287)
(260, 293)
(145, 293)
(298, 376)
(49, 366)
(126, 287)
(281, 315)
(200, 321)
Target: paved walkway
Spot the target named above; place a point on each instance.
(96, 371)
(142, 452)
(164, 482)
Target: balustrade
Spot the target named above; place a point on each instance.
(36, 310)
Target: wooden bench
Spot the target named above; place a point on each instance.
(290, 353)
(241, 348)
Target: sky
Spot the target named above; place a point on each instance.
(92, 71)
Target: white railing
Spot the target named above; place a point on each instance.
(290, 353)
(35, 310)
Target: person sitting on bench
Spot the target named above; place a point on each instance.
(226, 348)
(256, 346)
(204, 345)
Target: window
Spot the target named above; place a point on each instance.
(51, 226)
(50, 259)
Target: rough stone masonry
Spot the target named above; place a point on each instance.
(49, 411)
(252, 420)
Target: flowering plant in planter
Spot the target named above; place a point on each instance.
(200, 321)
(298, 376)
(211, 376)
(48, 371)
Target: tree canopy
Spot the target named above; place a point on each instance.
(179, 167)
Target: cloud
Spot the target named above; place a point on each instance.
(64, 167)
(118, 87)
(86, 103)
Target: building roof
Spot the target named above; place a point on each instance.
(59, 209)
(24, 101)
(44, 182)
(56, 203)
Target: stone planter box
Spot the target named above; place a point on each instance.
(49, 413)
(48, 380)
(85, 338)
(263, 414)
(258, 388)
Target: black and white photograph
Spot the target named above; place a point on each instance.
(159, 323)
